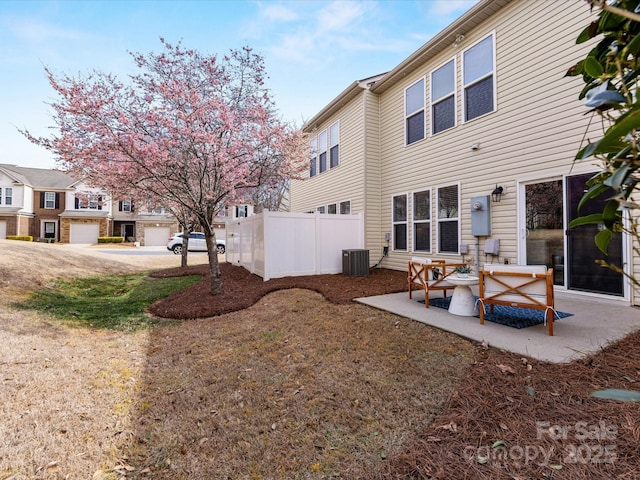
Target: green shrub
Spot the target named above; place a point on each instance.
(110, 239)
(24, 238)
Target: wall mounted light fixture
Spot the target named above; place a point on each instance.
(496, 195)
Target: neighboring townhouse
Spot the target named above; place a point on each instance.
(50, 205)
(31, 201)
(87, 215)
(147, 224)
(465, 149)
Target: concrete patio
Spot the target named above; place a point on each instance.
(594, 324)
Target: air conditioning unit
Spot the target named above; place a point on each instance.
(355, 263)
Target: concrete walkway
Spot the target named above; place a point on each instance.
(594, 324)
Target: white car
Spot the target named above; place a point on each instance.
(197, 243)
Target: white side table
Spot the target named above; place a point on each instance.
(463, 302)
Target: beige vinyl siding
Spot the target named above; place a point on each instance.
(535, 131)
(374, 236)
(344, 182)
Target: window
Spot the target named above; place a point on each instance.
(448, 219)
(312, 157)
(8, 196)
(49, 200)
(332, 208)
(345, 207)
(414, 112)
(88, 201)
(241, 211)
(422, 221)
(478, 79)
(443, 99)
(125, 206)
(322, 152)
(334, 142)
(399, 219)
(321, 209)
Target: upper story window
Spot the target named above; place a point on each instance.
(326, 142)
(479, 79)
(334, 142)
(125, 206)
(313, 151)
(414, 112)
(443, 98)
(422, 221)
(49, 200)
(88, 201)
(448, 219)
(399, 220)
(7, 197)
(322, 151)
(242, 211)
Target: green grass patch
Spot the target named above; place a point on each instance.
(115, 302)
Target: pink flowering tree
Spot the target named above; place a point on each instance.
(194, 132)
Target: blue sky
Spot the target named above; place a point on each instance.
(313, 49)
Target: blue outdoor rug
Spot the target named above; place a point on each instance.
(510, 316)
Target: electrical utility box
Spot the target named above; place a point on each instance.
(481, 216)
(355, 263)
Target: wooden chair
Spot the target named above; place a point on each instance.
(523, 286)
(430, 274)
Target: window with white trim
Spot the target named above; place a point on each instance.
(422, 221)
(448, 209)
(242, 211)
(345, 207)
(313, 152)
(332, 208)
(478, 78)
(414, 112)
(8, 196)
(443, 97)
(334, 142)
(89, 201)
(399, 220)
(49, 200)
(321, 209)
(322, 151)
(125, 205)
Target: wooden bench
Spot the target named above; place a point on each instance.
(430, 274)
(523, 286)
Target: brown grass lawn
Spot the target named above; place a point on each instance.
(301, 383)
(291, 387)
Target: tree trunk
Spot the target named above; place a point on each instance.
(185, 248)
(214, 266)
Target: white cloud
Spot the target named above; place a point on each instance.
(36, 31)
(277, 12)
(339, 15)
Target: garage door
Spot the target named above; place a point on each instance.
(84, 233)
(156, 236)
(3, 230)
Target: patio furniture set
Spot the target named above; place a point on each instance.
(519, 286)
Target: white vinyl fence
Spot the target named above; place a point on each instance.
(283, 244)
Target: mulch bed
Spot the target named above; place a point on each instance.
(242, 289)
(510, 418)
